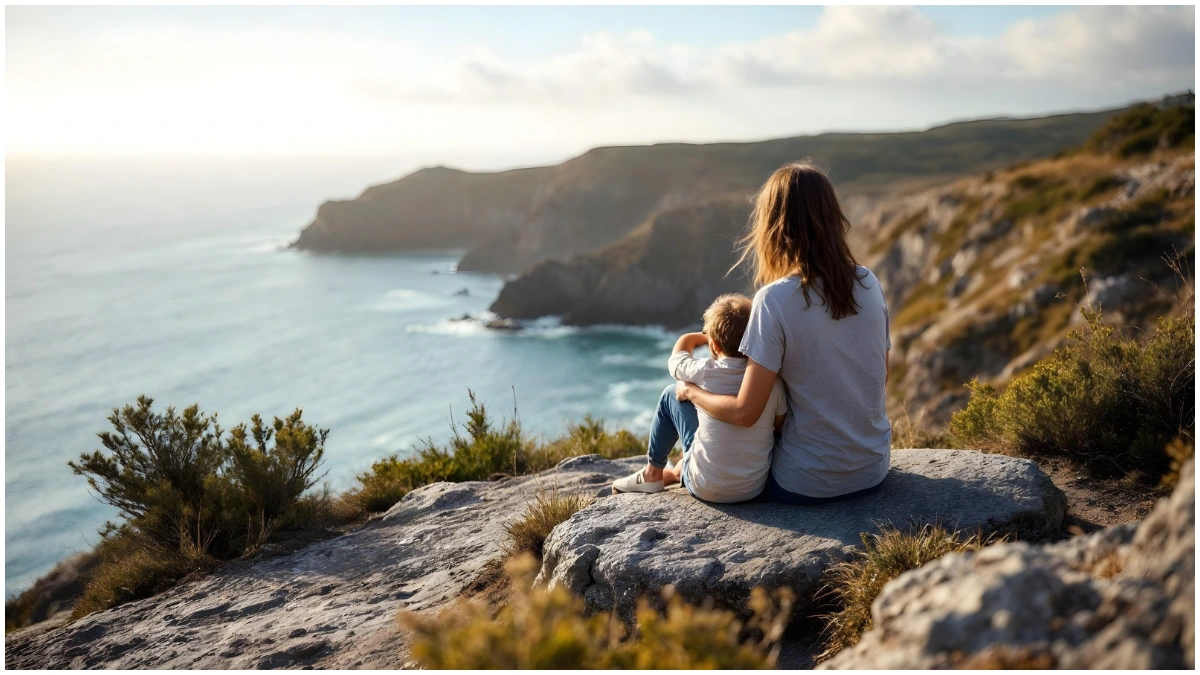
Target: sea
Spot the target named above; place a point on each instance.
(173, 280)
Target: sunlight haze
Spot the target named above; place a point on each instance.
(541, 83)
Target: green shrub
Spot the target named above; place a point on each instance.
(189, 496)
(273, 478)
(528, 533)
(483, 451)
(1111, 400)
(853, 585)
(585, 438)
(1145, 128)
(543, 629)
(163, 473)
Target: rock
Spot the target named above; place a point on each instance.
(665, 272)
(1111, 292)
(633, 545)
(1123, 597)
(332, 604)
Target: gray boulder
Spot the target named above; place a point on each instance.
(1119, 598)
(632, 545)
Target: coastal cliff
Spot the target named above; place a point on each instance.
(666, 271)
(512, 220)
(438, 207)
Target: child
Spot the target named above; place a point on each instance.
(721, 462)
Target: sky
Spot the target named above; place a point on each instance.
(518, 85)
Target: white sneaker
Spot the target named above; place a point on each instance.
(637, 483)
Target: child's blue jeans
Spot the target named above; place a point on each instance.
(673, 421)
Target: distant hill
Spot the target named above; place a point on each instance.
(512, 220)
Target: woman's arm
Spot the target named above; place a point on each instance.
(745, 408)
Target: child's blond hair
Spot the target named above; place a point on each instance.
(725, 322)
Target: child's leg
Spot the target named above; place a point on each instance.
(673, 420)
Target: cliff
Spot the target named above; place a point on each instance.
(983, 276)
(431, 208)
(666, 271)
(512, 220)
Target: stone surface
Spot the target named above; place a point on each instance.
(1119, 598)
(330, 605)
(632, 545)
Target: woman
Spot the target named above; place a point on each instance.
(820, 322)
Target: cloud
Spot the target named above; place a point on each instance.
(1082, 48)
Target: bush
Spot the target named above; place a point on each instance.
(528, 533)
(1145, 128)
(1110, 400)
(483, 451)
(274, 478)
(188, 496)
(543, 629)
(160, 470)
(855, 584)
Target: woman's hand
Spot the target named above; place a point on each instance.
(681, 390)
(742, 409)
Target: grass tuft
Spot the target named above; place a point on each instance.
(853, 585)
(528, 533)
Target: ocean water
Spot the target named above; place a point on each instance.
(172, 282)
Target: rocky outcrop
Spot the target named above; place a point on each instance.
(513, 220)
(630, 546)
(1119, 598)
(666, 272)
(331, 605)
(431, 208)
(983, 275)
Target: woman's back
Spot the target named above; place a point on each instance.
(836, 438)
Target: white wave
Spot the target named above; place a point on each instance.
(656, 361)
(458, 327)
(405, 299)
(264, 243)
(635, 395)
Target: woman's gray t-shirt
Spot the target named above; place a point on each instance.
(836, 438)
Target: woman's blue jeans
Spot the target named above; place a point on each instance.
(673, 421)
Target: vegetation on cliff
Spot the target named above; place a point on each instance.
(189, 495)
(482, 450)
(981, 274)
(1111, 400)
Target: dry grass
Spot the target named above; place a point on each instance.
(133, 569)
(544, 629)
(853, 585)
(528, 533)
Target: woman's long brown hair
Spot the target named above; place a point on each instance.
(798, 227)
